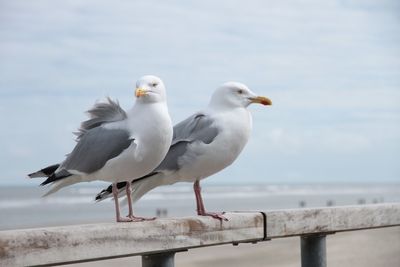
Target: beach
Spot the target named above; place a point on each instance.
(23, 207)
(365, 248)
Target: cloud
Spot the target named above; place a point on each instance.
(330, 67)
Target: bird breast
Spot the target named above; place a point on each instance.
(154, 136)
(151, 130)
(203, 160)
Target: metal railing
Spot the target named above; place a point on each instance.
(158, 241)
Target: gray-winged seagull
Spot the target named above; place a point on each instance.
(203, 144)
(118, 146)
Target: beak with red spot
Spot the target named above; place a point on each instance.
(261, 100)
(140, 92)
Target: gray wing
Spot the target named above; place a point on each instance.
(100, 113)
(95, 148)
(197, 128)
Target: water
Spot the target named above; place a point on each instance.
(23, 206)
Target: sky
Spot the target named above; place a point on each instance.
(331, 68)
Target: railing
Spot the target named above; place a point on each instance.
(157, 241)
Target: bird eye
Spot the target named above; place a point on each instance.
(154, 84)
(240, 91)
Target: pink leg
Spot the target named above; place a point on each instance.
(200, 205)
(199, 202)
(130, 206)
(116, 202)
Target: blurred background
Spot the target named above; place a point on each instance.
(331, 68)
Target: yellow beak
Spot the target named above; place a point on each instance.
(140, 92)
(261, 100)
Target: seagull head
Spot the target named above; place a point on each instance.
(234, 94)
(150, 88)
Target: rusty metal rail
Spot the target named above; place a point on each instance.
(157, 241)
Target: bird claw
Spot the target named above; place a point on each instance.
(215, 215)
(140, 219)
(124, 219)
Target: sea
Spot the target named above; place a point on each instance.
(24, 206)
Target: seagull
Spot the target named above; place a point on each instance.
(203, 144)
(118, 146)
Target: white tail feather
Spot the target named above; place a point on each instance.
(38, 174)
(62, 183)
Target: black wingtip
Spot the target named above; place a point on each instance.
(45, 172)
(105, 192)
(51, 169)
(56, 177)
(98, 196)
(47, 181)
(119, 186)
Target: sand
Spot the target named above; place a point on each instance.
(366, 248)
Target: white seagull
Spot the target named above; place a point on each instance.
(202, 145)
(118, 146)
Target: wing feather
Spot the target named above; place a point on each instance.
(95, 148)
(197, 128)
(100, 113)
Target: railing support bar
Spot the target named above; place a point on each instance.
(159, 260)
(313, 250)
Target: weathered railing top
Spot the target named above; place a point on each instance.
(77, 243)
